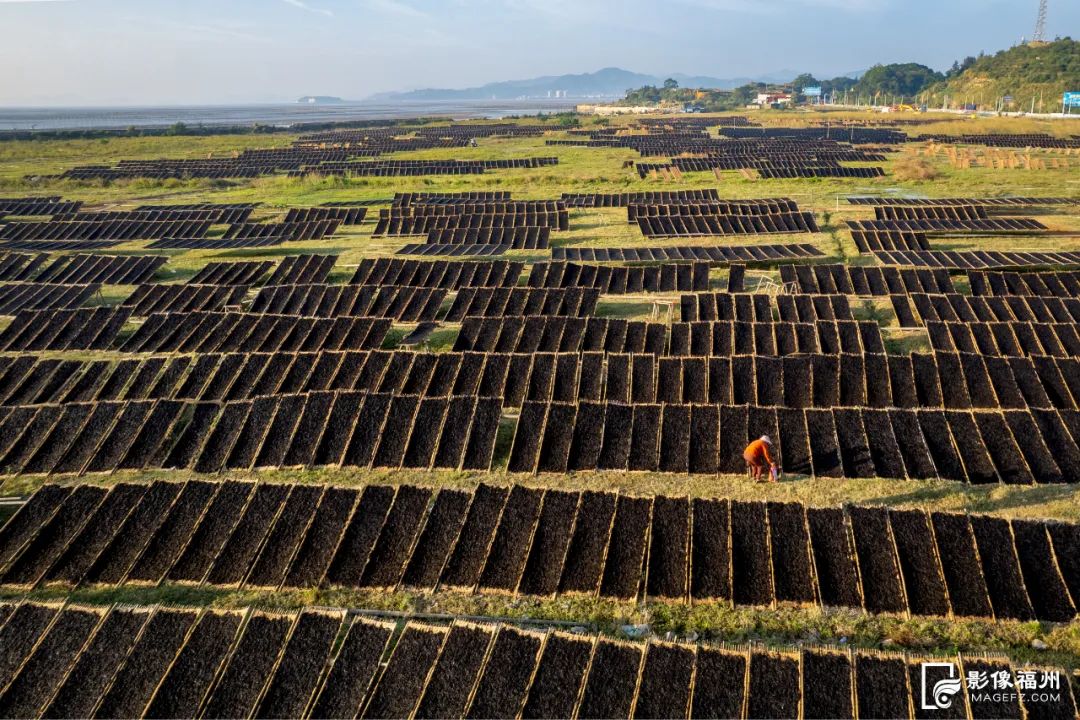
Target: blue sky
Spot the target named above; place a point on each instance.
(57, 52)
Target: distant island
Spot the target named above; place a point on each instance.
(608, 83)
(320, 100)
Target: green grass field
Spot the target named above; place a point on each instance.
(601, 170)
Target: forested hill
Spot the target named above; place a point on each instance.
(1023, 72)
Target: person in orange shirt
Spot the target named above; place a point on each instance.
(758, 455)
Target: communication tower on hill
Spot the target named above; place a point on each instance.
(1040, 23)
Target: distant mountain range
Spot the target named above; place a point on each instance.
(606, 83)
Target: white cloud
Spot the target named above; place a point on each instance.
(304, 6)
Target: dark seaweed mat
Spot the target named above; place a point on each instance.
(583, 568)
(838, 580)
(774, 687)
(339, 428)
(960, 565)
(795, 455)
(792, 568)
(188, 440)
(543, 568)
(455, 672)
(97, 665)
(852, 381)
(1032, 446)
(437, 538)
(902, 378)
(644, 438)
(719, 686)
(977, 462)
(626, 552)
(29, 518)
(97, 533)
(827, 686)
(953, 388)
(212, 532)
(733, 438)
(17, 637)
(270, 567)
(923, 577)
(913, 449)
(387, 560)
(354, 668)
(882, 687)
(587, 440)
(825, 370)
(750, 561)
(54, 536)
(234, 561)
(368, 430)
(615, 451)
(360, 536)
(888, 462)
(704, 439)
(525, 452)
(317, 550)
(83, 447)
(248, 667)
(428, 426)
(276, 443)
(770, 380)
(187, 681)
(308, 431)
(669, 548)
(980, 390)
(875, 549)
(506, 559)
(711, 550)
(173, 534)
(134, 685)
(798, 386)
(853, 442)
(1066, 540)
(1039, 708)
(46, 668)
(823, 444)
(558, 435)
(1046, 588)
(609, 689)
(301, 665)
(559, 676)
(1004, 581)
(480, 448)
(1003, 450)
(467, 560)
(455, 431)
(112, 564)
(502, 687)
(927, 383)
(58, 440)
(395, 433)
(665, 682)
(938, 437)
(675, 439)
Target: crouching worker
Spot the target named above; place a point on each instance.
(759, 456)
